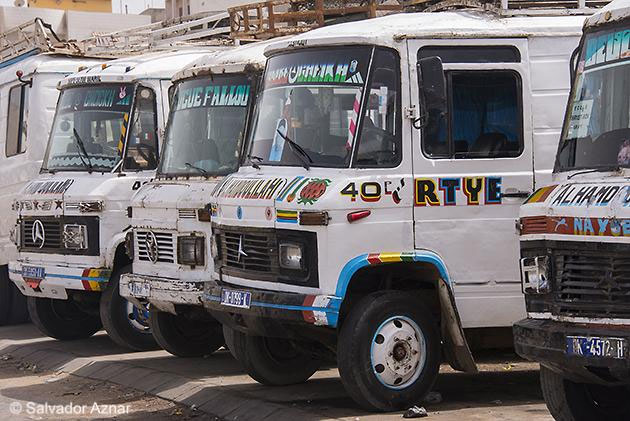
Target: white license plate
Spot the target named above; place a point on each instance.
(33, 272)
(232, 298)
(140, 289)
(596, 347)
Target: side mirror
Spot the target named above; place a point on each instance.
(432, 90)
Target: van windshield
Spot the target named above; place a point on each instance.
(309, 108)
(89, 128)
(206, 126)
(596, 133)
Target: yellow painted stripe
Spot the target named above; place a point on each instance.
(390, 257)
(95, 286)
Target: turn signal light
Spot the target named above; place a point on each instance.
(355, 216)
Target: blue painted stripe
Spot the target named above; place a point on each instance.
(279, 306)
(57, 275)
(285, 191)
(287, 221)
(361, 261)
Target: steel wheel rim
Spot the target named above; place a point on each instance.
(398, 352)
(138, 319)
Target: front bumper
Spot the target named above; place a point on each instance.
(544, 341)
(163, 293)
(57, 280)
(282, 307)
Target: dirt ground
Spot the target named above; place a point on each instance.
(26, 393)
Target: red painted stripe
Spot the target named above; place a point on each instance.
(308, 315)
(86, 285)
(374, 258)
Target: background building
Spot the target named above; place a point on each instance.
(80, 5)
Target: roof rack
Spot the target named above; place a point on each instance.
(274, 18)
(509, 7)
(201, 28)
(33, 36)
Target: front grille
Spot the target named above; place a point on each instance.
(252, 253)
(247, 251)
(589, 279)
(165, 247)
(52, 234)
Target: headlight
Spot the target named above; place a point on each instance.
(75, 237)
(191, 250)
(214, 246)
(14, 235)
(535, 275)
(129, 244)
(291, 256)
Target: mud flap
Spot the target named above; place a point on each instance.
(455, 345)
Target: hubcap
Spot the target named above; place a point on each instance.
(138, 318)
(398, 352)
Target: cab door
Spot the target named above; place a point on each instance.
(473, 168)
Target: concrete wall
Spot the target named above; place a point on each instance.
(177, 8)
(84, 5)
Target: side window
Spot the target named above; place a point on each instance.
(485, 117)
(380, 142)
(142, 141)
(17, 121)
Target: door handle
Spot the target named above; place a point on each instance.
(516, 194)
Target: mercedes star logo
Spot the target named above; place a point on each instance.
(38, 234)
(241, 252)
(151, 244)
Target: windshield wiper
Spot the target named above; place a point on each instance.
(614, 168)
(201, 170)
(253, 158)
(298, 151)
(83, 151)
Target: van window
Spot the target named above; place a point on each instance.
(380, 139)
(485, 117)
(142, 144)
(16, 121)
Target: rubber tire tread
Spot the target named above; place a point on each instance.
(45, 319)
(116, 321)
(353, 351)
(167, 335)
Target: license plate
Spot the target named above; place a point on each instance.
(241, 299)
(596, 347)
(140, 289)
(33, 272)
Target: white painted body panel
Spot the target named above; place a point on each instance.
(478, 244)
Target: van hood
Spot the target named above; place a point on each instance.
(579, 209)
(161, 194)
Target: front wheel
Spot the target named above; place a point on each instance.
(62, 319)
(272, 361)
(570, 401)
(125, 324)
(388, 351)
(185, 337)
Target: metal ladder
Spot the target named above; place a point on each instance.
(32, 37)
(203, 28)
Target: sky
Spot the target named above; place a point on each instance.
(133, 6)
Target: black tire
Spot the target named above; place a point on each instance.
(122, 328)
(6, 296)
(394, 312)
(570, 401)
(62, 319)
(272, 361)
(184, 337)
(19, 312)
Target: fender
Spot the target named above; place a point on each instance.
(112, 246)
(456, 347)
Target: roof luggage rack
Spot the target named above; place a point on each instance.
(201, 28)
(509, 7)
(274, 18)
(32, 37)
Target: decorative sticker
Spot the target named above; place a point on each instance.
(48, 187)
(250, 188)
(313, 191)
(445, 191)
(569, 225)
(287, 216)
(541, 194)
(373, 191)
(588, 195)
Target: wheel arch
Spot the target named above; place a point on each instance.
(420, 270)
(116, 254)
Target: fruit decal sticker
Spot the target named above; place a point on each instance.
(313, 191)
